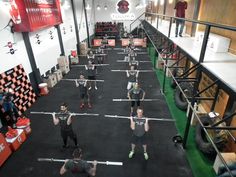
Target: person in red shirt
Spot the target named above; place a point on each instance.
(180, 8)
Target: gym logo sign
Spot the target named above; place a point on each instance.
(123, 6)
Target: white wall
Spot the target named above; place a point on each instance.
(7, 60)
(47, 52)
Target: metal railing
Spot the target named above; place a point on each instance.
(191, 103)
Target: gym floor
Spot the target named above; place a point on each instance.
(103, 139)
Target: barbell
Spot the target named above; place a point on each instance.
(120, 100)
(92, 64)
(141, 71)
(63, 160)
(71, 113)
(125, 61)
(83, 80)
(144, 118)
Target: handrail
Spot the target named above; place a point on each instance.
(135, 20)
(194, 112)
(228, 27)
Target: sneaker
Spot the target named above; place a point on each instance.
(180, 35)
(95, 87)
(176, 35)
(81, 106)
(89, 106)
(146, 155)
(131, 153)
(90, 88)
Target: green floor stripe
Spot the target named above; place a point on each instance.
(200, 165)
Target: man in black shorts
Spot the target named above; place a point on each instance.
(140, 127)
(136, 93)
(84, 94)
(91, 74)
(78, 166)
(63, 118)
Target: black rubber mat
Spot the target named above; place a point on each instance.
(101, 138)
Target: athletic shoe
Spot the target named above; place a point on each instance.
(90, 88)
(95, 87)
(180, 35)
(82, 106)
(146, 155)
(131, 153)
(89, 105)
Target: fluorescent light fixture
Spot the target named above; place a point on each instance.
(66, 5)
(162, 2)
(155, 2)
(88, 7)
(105, 7)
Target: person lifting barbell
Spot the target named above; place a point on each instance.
(84, 93)
(91, 74)
(77, 165)
(140, 127)
(64, 119)
(137, 94)
(132, 76)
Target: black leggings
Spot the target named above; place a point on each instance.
(66, 134)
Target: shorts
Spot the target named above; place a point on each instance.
(84, 95)
(91, 78)
(139, 140)
(130, 85)
(133, 103)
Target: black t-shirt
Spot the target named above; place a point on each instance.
(78, 166)
(139, 129)
(63, 117)
(132, 75)
(82, 86)
(91, 70)
(136, 93)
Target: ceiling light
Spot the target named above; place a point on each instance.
(98, 7)
(155, 3)
(105, 7)
(162, 2)
(88, 7)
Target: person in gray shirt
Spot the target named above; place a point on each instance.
(140, 127)
(135, 95)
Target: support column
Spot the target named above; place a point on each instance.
(76, 27)
(35, 77)
(86, 21)
(60, 40)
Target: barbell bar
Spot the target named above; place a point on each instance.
(98, 162)
(141, 71)
(92, 64)
(117, 99)
(149, 118)
(72, 113)
(138, 53)
(125, 61)
(82, 80)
